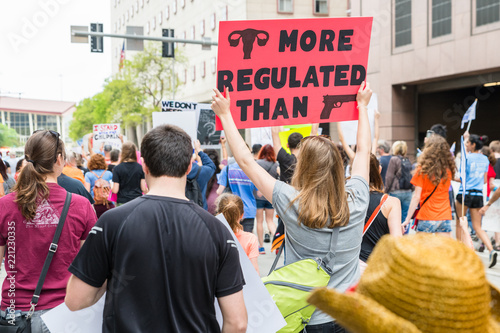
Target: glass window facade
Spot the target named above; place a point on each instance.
(20, 122)
(46, 122)
(441, 18)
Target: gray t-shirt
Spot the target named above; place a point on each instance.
(303, 242)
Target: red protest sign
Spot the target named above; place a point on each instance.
(285, 72)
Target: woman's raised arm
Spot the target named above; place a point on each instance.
(361, 163)
(261, 179)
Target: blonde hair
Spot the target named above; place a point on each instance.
(321, 185)
(231, 206)
(495, 146)
(399, 148)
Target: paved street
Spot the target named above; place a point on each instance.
(266, 261)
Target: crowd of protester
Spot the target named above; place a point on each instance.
(133, 212)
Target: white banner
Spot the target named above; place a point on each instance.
(107, 134)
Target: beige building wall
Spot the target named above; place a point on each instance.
(398, 74)
(190, 18)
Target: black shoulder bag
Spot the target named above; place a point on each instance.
(414, 217)
(13, 323)
(227, 189)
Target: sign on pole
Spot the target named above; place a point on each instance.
(297, 71)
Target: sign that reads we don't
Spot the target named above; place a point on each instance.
(282, 72)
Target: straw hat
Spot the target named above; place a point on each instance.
(419, 283)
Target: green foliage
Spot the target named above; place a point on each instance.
(8, 136)
(133, 93)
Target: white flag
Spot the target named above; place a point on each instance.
(470, 114)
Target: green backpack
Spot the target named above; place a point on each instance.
(290, 285)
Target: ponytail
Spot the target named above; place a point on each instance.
(231, 206)
(479, 141)
(41, 150)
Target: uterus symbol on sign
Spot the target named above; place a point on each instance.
(248, 37)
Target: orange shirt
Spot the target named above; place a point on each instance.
(249, 243)
(74, 173)
(437, 208)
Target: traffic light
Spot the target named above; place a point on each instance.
(168, 48)
(96, 44)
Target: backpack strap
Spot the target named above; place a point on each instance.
(328, 261)
(198, 173)
(98, 177)
(375, 213)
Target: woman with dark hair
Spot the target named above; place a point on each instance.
(432, 180)
(387, 218)
(8, 181)
(30, 215)
(267, 160)
(476, 176)
(19, 166)
(128, 177)
(97, 170)
(319, 203)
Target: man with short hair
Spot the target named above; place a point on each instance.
(383, 149)
(495, 148)
(161, 258)
(286, 161)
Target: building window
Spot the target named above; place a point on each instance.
(202, 27)
(441, 18)
(183, 3)
(320, 6)
(213, 21)
(119, 22)
(154, 22)
(203, 69)
(116, 29)
(174, 7)
(21, 123)
(123, 20)
(137, 6)
(115, 3)
(184, 37)
(132, 11)
(193, 33)
(402, 26)
(224, 15)
(213, 65)
(285, 6)
(193, 73)
(142, 3)
(185, 76)
(487, 11)
(126, 15)
(147, 28)
(160, 18)
(167, 13)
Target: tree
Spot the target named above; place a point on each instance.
(8, 136)
(130, 97)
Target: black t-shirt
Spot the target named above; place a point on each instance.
(74, 186)
(384, 163)
(111, 167)
(287, 165)
(165, 260)
(128, 175)
(497, 169)
(379, 227)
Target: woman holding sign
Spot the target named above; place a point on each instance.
(318, 199)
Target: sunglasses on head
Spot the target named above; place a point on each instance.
(429, 133)
(55, 135)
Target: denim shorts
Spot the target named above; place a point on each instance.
(434, 226)
(263, 204)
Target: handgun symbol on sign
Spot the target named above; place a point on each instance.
(334, 101)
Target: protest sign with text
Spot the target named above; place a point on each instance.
(108, 134)
(293, 71)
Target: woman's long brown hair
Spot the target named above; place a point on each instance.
(319, 178)
(31, 188)
(436, 160)
(129, 152)
(376, 182)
